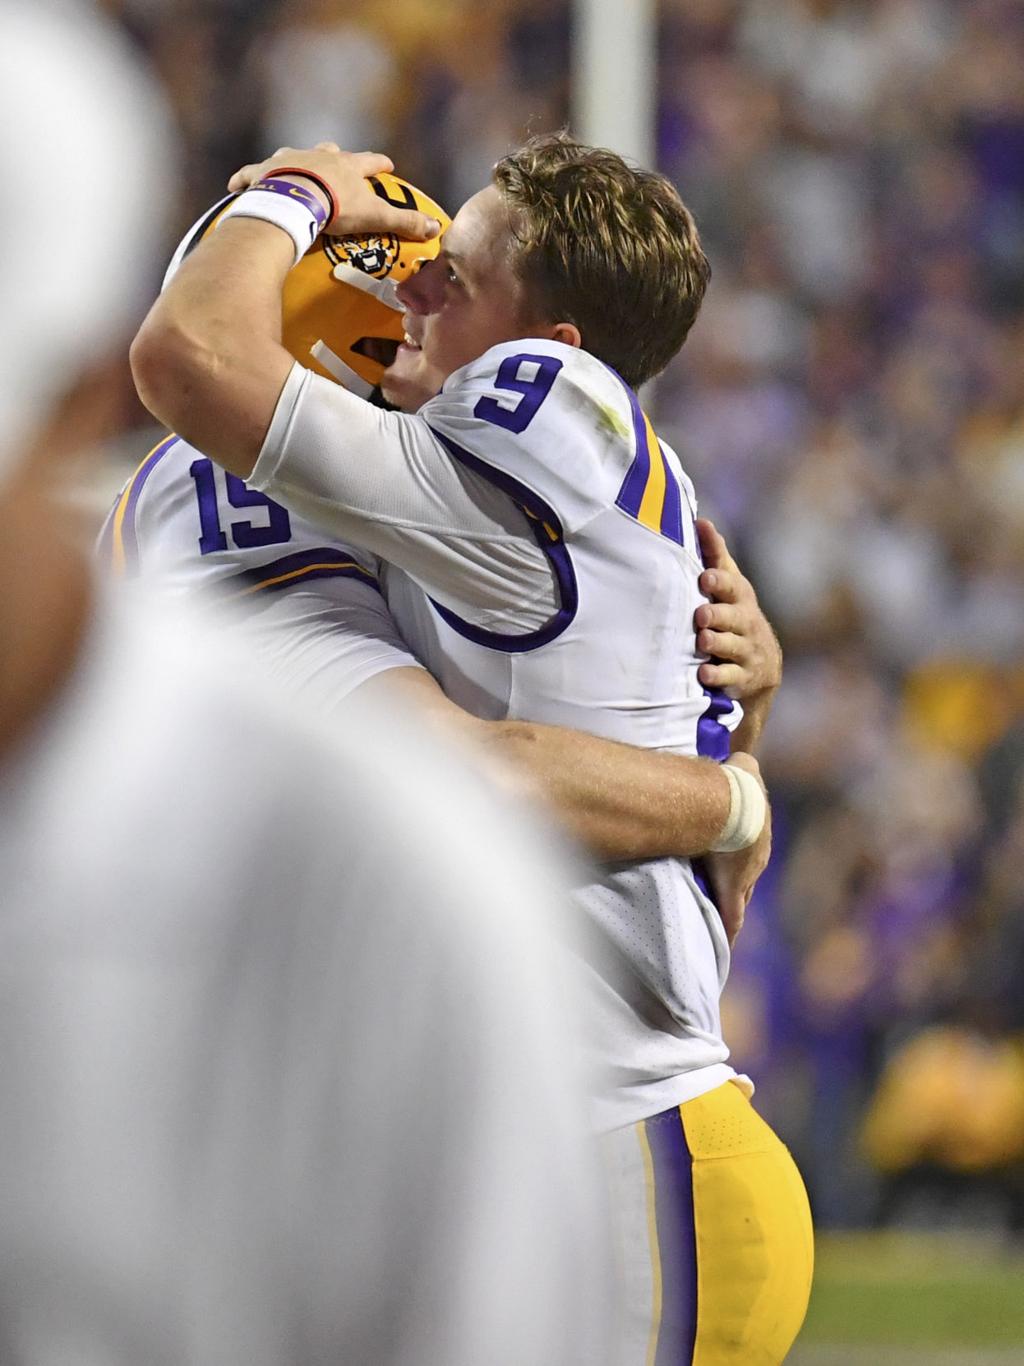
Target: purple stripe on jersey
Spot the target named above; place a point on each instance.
(672, 512)
(699, 869)
(556, 551)
(322, 562)
(713, 739)
(129, 539)
(677, 1237)
(631, 494)
(713, 742)
(519, 493)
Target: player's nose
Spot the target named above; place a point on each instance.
(420, 292)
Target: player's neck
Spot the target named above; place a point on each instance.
(45, 605)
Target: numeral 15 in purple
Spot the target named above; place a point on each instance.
(276, 530)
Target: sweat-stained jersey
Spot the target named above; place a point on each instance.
(314, 608)
(542, 562)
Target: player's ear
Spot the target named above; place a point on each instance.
(567, 333)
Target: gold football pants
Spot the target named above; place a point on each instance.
(717, 1248)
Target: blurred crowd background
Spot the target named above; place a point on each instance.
(851, 409)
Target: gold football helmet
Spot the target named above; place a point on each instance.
(340, 316)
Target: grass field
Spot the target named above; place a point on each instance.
(914, 1300)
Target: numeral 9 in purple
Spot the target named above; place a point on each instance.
(533, 392)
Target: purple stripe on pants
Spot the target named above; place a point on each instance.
(677, 1241)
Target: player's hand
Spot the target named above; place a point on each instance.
(746, 655)
(734, 876)
(360, 210)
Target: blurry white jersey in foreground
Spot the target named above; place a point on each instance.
(543, 564)
(279, 1083)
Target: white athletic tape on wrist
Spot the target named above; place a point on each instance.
(748, 810)
(291, 215)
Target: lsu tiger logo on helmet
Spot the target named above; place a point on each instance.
(372, 255)
(339, 313)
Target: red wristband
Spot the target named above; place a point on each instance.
(316, 179)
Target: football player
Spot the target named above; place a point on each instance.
(317, 610)
(542, 559)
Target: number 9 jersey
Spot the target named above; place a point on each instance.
(541, 559)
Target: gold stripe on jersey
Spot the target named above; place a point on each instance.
(303, 572)
(117, 544)
(118, 558)
(551, 532)
(652, 505)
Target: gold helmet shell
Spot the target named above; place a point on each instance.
(339, 313)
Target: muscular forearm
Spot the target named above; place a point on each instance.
(621, 802)
(208, 361)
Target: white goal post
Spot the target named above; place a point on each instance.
(614, 76)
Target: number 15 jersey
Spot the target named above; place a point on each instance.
(314, 611)
(542, 561)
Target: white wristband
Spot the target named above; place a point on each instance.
(291, 215)
(747, 811)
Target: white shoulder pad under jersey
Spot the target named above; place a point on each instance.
(315, 607)
(557, 422)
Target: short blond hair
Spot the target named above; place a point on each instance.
(607, 246)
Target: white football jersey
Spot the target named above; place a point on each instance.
(543, 563)
(315, 609)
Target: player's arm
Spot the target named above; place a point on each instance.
(628, 803)
(336, 641)
(314, 615)
(620, 801)
(208, 361)
(746, 656)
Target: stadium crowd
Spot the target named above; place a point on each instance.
(851, 409)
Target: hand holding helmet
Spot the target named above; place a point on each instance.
(347, 174)
(340, 317)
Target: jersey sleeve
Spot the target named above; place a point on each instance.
(386, 481)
